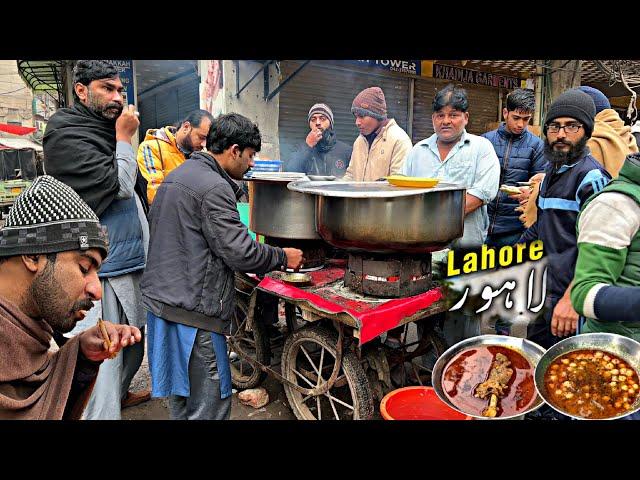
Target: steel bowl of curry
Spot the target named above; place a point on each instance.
(592, 376)
(489, 376)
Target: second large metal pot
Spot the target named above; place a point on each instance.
(378, 217)
(278, 212)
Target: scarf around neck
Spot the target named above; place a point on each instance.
(34, 382)
(79, 150)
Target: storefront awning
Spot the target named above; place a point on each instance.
(44, 76)
(19, 144)
(16, 129)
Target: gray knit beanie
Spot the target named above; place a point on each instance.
(322, 109)
(50, 217)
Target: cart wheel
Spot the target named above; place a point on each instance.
(311, 350)
(413, 364)
(437, 346)
(253, 343)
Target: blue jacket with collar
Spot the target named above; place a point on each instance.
(521, 157)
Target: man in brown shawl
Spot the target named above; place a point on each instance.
(51, 249)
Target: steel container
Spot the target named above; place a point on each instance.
(278, 212)
(381, 218)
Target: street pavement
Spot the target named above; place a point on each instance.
(157, 408)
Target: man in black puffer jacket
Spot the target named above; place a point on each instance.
(521, 156)
(321, 153)
(197, 242)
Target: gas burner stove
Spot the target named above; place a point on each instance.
(388, 276)
(313, 251)
(346, 292)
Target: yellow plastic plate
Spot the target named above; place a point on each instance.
(416, 182)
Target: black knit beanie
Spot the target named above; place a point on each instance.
(50, 217)
(576, 104)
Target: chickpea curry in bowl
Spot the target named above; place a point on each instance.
(591, 376)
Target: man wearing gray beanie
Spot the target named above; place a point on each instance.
(51, 249)
(571, 177)
(321, 153)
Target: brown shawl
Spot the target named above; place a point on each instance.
(611, 141)
(34, 382)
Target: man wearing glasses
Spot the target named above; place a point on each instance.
(571, 177)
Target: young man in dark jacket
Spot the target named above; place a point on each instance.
(321, 153)
(197, 242)
(521, 156)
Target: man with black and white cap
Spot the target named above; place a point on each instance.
(321, 153)
(571, 177)
(51, 249)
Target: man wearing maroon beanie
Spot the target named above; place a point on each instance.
(382, 146)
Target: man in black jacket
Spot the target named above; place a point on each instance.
(197, 242)
(321, 153)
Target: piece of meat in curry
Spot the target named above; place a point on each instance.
(496, 384)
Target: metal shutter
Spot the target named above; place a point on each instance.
(168, 103)
(423, 95)
(483, 107)
(147, 109)
(166, 108)
(188, 98)
(337, 87)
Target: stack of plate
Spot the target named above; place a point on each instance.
(279, 176)
(267, 166)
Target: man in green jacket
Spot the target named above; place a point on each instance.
(606, 287)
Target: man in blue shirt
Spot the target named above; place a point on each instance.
(455, 156)
(521, 157)
(572, 176)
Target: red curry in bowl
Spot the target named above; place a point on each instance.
(471, 367)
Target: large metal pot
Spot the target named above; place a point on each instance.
(278, 212)
(382, 218)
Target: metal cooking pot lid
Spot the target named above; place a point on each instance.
(365, 189)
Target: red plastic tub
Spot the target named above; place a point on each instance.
(417, 403)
